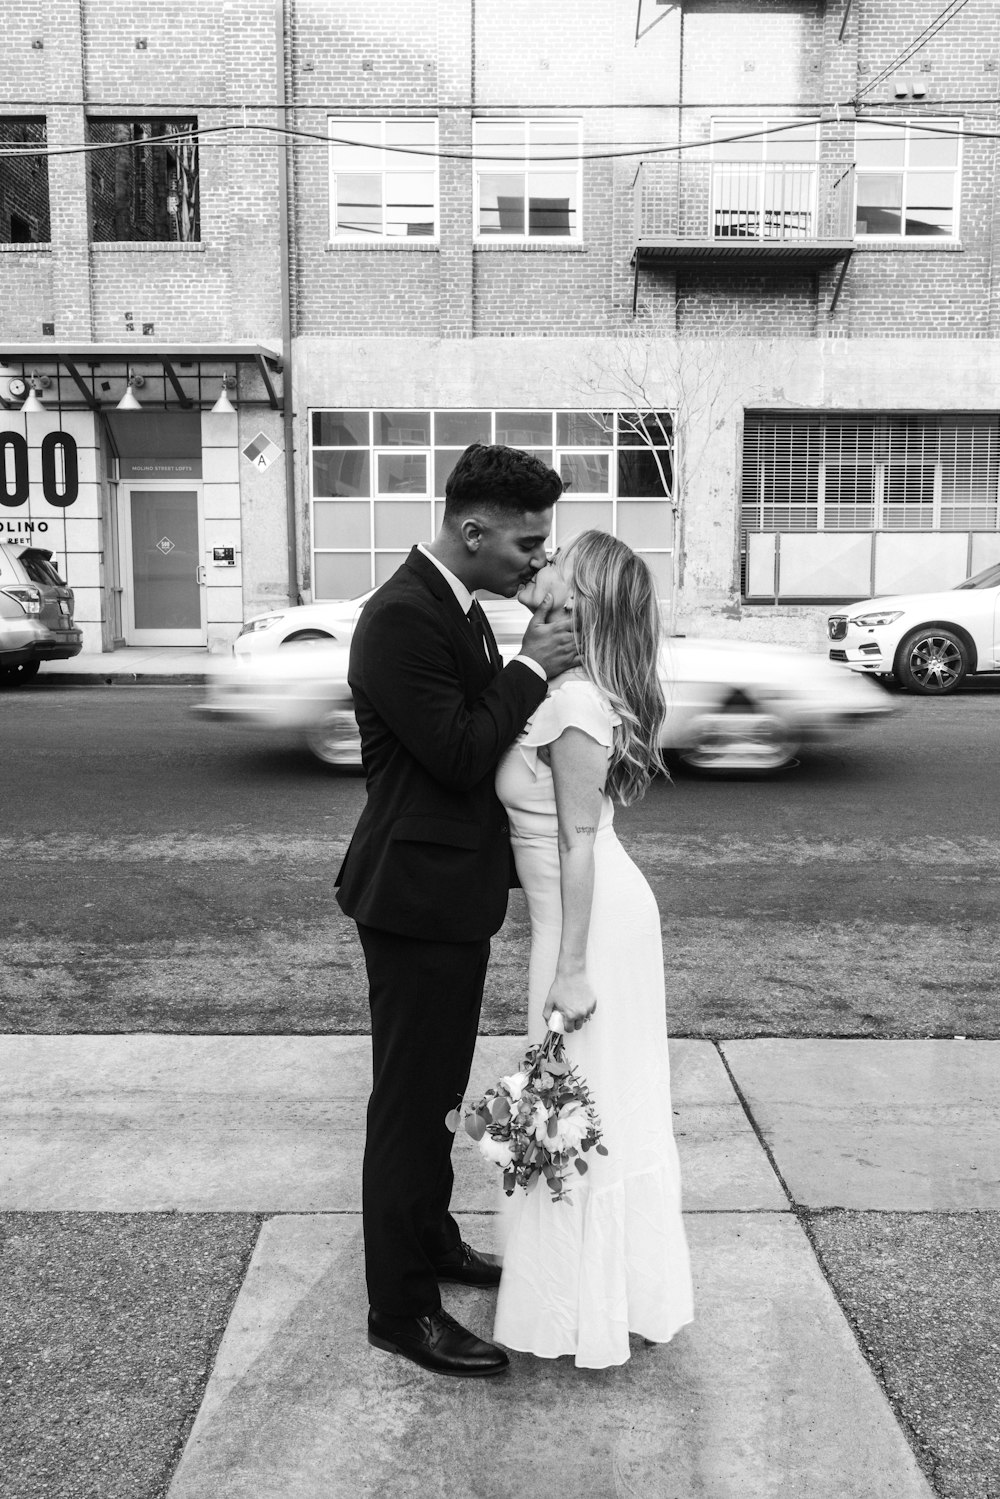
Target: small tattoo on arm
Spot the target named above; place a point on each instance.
(589, 830)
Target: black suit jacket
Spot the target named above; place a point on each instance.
(430, 856)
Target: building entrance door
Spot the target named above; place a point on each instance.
(164, 572)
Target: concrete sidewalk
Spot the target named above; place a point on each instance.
(135, 663)
(767, 1392)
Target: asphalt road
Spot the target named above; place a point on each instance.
(166, 874)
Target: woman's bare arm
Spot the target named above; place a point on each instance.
(579, 767)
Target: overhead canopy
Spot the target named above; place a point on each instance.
(91, 374)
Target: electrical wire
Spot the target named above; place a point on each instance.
(379, 110)
(939, 22)
(628, 150)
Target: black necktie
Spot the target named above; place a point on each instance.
(475, 618)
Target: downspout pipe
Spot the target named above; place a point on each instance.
(285, 216)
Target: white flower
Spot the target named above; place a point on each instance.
(515, 1085)
(572, 1125)
(497, 1151)
(538, 1123)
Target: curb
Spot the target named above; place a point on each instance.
(123, 678)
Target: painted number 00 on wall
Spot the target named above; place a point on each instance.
(60, 492)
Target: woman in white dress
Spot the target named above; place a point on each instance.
(581, 1274)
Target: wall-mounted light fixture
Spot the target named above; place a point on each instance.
(35, 384)
(224, 406)
(129, 401)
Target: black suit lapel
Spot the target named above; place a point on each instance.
(456, 621)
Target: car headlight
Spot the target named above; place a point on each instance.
(263, 623)
(885, 617)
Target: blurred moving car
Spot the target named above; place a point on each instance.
(732, 706)
(930, 642)
(264, 633)
(36, 614)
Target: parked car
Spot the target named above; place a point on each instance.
(36, 614)
(929, 642)
(731, 706)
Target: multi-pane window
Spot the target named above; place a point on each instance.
(378, 482)
(24, 183)
(527, 179)
(144, 184)
(764, 178)
(907, 178)
(383, 179)
(871, 473)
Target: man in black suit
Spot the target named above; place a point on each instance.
(428, 870)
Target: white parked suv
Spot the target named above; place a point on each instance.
(930, 642)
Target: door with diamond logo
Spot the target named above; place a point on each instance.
(164, 596)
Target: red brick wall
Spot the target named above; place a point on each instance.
(226, 56)
(614, 63)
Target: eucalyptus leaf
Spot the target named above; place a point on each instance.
(602, 1150)
(475, 1125)
(581, 1166)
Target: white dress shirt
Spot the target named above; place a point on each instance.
(465, 598)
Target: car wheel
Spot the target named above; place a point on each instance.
(306, 635)
(335, 739)
(727, 741)
(22, 673)
(932, 661)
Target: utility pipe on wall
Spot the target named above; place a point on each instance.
(288, 414)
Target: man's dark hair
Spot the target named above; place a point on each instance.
(499, 478)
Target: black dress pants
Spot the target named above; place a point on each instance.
(425, 1000)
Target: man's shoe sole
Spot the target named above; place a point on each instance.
(387, 1347)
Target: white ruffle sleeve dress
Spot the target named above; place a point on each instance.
(580, 1275)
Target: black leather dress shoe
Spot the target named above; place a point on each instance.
(467, 1267)
(438, 1343)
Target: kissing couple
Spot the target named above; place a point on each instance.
(481, 776)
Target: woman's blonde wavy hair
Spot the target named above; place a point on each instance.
(616, 623)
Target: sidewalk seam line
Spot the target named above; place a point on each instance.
(802, 1217)
(754, 1125)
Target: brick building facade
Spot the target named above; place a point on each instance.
(765, 228)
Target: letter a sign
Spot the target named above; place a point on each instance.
(262, 452)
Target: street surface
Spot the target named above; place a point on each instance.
(168, 874)
(174, 876)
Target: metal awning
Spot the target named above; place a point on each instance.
(805, 254)
(735, 254)
(86, 373)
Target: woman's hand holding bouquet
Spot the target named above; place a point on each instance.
(536, 1122)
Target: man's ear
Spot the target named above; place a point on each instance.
(472, 533)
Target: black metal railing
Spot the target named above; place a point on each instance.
(760, 202)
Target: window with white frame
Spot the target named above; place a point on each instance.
(885, 472)
(908, 178)
(764, 178)
(378, 482)
(527, 179)
(383, 179)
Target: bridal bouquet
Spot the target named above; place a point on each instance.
(536, 1122)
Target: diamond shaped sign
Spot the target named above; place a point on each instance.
(165, 545)
(261, 452)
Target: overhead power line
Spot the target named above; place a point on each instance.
(621, 151)
(381, 110)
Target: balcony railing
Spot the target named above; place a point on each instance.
(729, 204)
(695, 212)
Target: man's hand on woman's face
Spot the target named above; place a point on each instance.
(549, 639)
